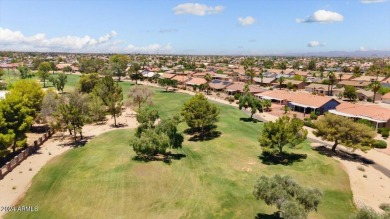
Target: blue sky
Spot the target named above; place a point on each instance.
(252, 27)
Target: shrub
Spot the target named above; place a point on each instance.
(230, 99)
(380, 144)
(237, 96)
(361, 168)
(385, 207)
(307, 122)
(385, 132)
(365, 213)
(313, 116)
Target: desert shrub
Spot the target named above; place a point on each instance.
(385, 132)
(237, 96)
(380, 144)
(313, 116)
(385, 207)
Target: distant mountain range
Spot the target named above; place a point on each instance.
(370, 53)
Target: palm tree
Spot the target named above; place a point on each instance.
(251, 73)
(332, 81)
(261, 76)
(375, 86)
(281, 80)
(340, 76)
(208, 78)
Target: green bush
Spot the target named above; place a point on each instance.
(385, 207)
(385, 132)
(380, 144)
(307, 122)
(237, 96)
(313, 116)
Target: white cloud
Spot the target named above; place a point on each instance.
(15, 40)
(363, 49)
(197, 9)
(371, 1)
(322, 16)
(149, 49)
(315, 44)
(246, 21)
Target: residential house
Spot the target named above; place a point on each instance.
(317, 89)
(366, 95)
(386, 98)
(357, 84)
(219, 85)
(265, 81)
(239, 88)
(379, 116)
(301, 102)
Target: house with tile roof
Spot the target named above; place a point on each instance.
(301, 102)
(379, 116)
(386, 98)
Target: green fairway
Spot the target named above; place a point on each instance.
(215, 179)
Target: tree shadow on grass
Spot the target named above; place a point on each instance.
(209, 133)
(166, 158)
(344, 155)
(250, 120)
(269, 158)
(267, 216)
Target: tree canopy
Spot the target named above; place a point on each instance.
(140, 95)
(350, 93)
(111, 94)
(281, 133)
(345, 131)
(292, 200)
(43, 72)
(59, 81)
(199, 113)
(87, 82)
(249, 101)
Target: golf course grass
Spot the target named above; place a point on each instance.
(215, 179)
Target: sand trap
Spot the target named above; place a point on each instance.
(16, 183)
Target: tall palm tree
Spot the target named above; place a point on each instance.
(375, 86)
(261, 76)
(281, 80)
(340, 76)
(332, 81)
(251, 73)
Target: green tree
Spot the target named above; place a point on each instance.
(332, 81)
(281, 133)
(268, 64)
(292, 200)
(59, 81)
(72, 113)
(18, 118)
(350, 93)
(267, 105)
(151, 139)
(356, 70)
(43, 72)
(250, 72)
(199, 114)
(166, 83)
(281, 80)
(1, 73)
(345, 131)
(90, 65)
(249, 101)
(31, 94)
(7, 136)
(24, 72)
(140, 95)
(111, 94)
(312, 65)
(375, 87)
(282, 65)
(87, 82)
(97, 108)
(134, 73)
(67, 69)
(118, 65)
(49, 105)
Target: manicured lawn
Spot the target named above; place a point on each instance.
(13, 76)
(214, 180)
